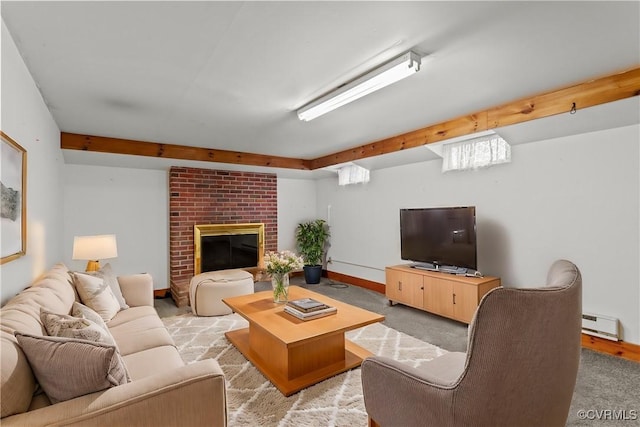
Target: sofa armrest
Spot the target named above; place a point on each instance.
(192, 395)
(137, 289)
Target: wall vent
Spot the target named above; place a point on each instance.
(600, 326)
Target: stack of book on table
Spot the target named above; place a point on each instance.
(308, 308)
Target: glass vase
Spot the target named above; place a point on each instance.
(280, 284)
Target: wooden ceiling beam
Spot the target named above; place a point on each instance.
(587, 94)
(101, 144)
(583, 95)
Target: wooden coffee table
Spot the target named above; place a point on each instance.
(294, 354)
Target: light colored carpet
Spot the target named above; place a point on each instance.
(253, 400)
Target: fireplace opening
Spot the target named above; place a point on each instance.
(225, 246)
(225, 252)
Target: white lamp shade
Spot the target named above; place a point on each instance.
(95, 247)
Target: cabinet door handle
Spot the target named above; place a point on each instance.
(399, 285)
(454, 299)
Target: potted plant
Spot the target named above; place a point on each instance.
(311, 238)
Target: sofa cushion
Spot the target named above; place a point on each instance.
(152, 361)
(64, 325)
(54, 292)
(135, 337)
(60, 282)
(97, 294)
(133, 315)
(68, 368)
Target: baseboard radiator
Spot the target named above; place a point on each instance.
(600, 326)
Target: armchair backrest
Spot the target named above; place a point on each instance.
(524, 353)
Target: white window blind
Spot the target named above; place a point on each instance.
(352, 174)
(475, 153)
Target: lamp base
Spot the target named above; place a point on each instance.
(93, 266)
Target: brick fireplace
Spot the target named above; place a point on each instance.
(204, 196)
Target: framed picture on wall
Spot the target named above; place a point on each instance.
(13, 211)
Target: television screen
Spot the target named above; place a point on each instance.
(439, 236)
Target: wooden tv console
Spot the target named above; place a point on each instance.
(448, 295)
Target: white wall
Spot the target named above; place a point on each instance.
(575, 197)
(26, 119)
(133, 204)
(296, 204)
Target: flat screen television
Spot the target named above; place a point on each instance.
(435, 237)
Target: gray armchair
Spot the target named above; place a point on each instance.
(519, 370)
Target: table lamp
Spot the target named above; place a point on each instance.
(94, 248)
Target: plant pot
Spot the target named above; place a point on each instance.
(312, 274)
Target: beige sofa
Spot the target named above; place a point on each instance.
(163, 390)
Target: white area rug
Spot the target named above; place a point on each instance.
(253, 401)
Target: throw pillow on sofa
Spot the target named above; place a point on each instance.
(82, 311)
(97, 295)
(67, 368)
(106, 273)
(63, 325)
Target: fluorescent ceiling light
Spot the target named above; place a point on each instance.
(388, 73)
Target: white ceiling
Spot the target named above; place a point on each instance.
(230, 75)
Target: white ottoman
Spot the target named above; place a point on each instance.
(207, 290)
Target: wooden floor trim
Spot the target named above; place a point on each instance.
(621, 349)
(161, 293)
(356, 281)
